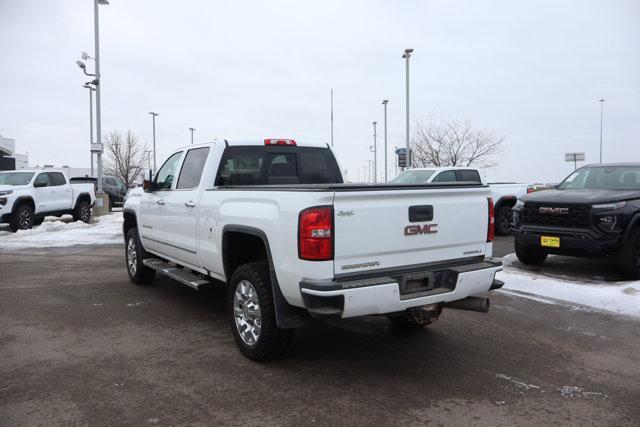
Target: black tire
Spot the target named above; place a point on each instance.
(38, 221)
(22, 218)
(271, 341)
(110, 204)
(503, 221)
(530, 255)
(628, 259)
(82, 212)
(134, 253)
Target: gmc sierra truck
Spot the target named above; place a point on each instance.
(273, 221)
(595, 212)
(27, 196)
(504, 194)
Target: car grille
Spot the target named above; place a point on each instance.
(578, 215)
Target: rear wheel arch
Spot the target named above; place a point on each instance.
(506, 201)
(83, 197)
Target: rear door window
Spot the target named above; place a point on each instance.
(446, 176)
(468, 175)
(57, 178)
(192, 167)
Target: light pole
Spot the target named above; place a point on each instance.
(406, 56)
(91, 89)
(374, 149)
(385, 102)
(154, 139)
(147, 154)
(191, 130)
(369, 170)
(601, 113)
(331, 117)
(395, 160)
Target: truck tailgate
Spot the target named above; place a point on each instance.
(374, 228)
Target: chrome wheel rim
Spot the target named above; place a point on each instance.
(132, 257)
(25, 220)
(505, 220)
(85, 213)
(246, 312)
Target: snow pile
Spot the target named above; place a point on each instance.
(63, 231)
(622, 297)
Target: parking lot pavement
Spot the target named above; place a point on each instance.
(80, 344)
(502, 246)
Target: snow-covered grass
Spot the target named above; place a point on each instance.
(622, 297)
(63, 231)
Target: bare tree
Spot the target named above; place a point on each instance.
(453, 143)
(125, 156)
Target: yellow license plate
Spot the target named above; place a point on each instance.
(550, 242)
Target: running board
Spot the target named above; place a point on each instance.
(184, 276)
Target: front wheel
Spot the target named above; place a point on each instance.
(22, 218)
(139, 273)
(629, 257)
(253, 317)
(82, 212)
(529, 255)
(503, 221)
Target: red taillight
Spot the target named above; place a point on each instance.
(315, 234)
(279, 142)
(529, 190)
(491, 229)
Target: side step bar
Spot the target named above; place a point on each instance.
(186, 277)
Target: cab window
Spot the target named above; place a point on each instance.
(57, 178)
(192, 168)
(468, 175)
(164, 178)
(446, 176)
(42, 180)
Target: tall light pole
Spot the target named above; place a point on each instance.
(395, 160)
(91, 90)
(154, 139)
(96, 23)
(385, 102)
(369, 162)
(406, 55)
(601, 114)
(331, 117)
(191, 130)
(147, 154)
(374, 149)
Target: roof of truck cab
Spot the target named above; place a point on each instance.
(252, 142)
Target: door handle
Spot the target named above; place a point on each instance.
(160, 202)
(190, 204)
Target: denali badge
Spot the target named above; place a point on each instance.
(342, 212)
(555, 211)
(412, 230)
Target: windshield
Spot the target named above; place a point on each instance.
(15, 178)
(603, 178)
(414, 177)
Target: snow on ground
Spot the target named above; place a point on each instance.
(622, 297)
(63, 231)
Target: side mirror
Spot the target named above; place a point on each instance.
(39, 184)
(147, 185)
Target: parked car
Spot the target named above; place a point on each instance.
(594, 212)
(504, 194)
(112, 185)
(27, 196)
(273, 221)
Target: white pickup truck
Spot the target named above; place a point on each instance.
(504, 194)
(27, 196)
(273, 221)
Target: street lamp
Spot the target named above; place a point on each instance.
(369, 170)
(385, 102)
(374, 149)
(331, 117)
(406, 56)
(191, 130)
(91, 90)
(601, 113)
(154, 139)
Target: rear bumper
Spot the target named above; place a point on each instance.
(382, 294)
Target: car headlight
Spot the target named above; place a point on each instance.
(5, 192)
(608, 222)
(3, 201)
(609, 206)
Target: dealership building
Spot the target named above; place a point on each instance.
(9, 160)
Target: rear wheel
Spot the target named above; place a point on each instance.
(503, 221)
(110, 204)
(529, 255)
(82, 212)
(252, 312)
(22, 218)
(139, 273)
(629, 257)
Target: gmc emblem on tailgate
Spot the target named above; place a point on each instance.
(555, 211)
(413, 230)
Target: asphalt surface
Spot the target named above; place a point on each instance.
(80, 344)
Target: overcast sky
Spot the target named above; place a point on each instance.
(533, 71)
